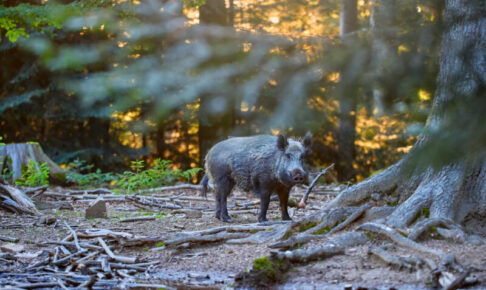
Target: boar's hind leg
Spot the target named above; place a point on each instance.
(224, 187)
(283, 197)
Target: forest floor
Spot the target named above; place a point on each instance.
(216, 264)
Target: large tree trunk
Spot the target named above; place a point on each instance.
(382, 18)
(215, 114)
(346, 133)
(457, 190)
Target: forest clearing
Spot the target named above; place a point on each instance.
(227, 144)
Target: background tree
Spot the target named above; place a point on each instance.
(346, 131)
(132, 80)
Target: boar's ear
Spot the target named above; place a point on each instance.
(282, 142)
(307, 143)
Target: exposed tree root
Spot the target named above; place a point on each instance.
(426, 224)
(327, 220)
(330, 248)
(357, 214)
(443, 277)
(383, 182)
(410, 263)
(399, 239)
(310, 234)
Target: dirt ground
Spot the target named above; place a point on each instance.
(215, 265)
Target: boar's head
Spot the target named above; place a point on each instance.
(290, 164)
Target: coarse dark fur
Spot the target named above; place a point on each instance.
(263, 164)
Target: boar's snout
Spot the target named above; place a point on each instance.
(298, 176)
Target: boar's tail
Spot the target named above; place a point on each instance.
(204, 184)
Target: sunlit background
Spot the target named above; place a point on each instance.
(113, 81)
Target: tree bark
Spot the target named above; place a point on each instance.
(456, 191)
(346, 133)
(215, 116)
(16, 156)
(382, 15)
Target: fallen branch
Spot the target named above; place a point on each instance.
(311, 186)
(220, 236)
(75, 237)
(8, 239)
(90, 191)
(128, 260)
(137, 219)
(152, 203)
(171, 188)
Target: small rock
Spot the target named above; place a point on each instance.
(348, 287)
(97, 209)
(12, 248)
(47, 220)
(475, 240)
(193, 214)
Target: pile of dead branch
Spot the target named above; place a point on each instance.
(83, 259)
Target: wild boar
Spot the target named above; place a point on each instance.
(263, 164)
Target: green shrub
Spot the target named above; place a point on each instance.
(159, 175)
(91, 178)
(34, 175)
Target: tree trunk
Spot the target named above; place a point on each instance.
(17, 156)
(346, 133)
(382, 16)
(456, 191)
(215, 114)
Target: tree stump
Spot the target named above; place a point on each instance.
(14, 156)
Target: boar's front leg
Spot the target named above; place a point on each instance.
(223, 189)
(264, 202)
(283, 196)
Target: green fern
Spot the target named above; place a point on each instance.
(34, 175)
(160, 174)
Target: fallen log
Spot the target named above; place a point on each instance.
(22, 202)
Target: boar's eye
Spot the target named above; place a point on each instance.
(288, 155)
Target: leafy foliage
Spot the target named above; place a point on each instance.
(19, 20)
(159, 175)
(90, 178)
(34, 175)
